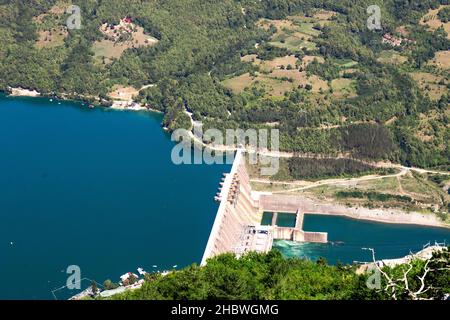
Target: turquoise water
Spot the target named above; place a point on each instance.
(347, 237)
(286, 220)
(267, 219)
(97, 189)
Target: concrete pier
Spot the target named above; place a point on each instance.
(274, 219)
(299, 220)
(297, 233)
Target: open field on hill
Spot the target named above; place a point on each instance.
(51, 30)
(296, 32)
(112, 48)
(52, 38)
(441, 60)
(432, 20)
(391, 57)
(343, 87)
(278, 76)
(433, 85)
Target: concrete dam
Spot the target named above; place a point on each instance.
(237, 227)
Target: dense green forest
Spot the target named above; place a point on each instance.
(444, 15)
(272, 277)
(201, 43)
(372, 196)
(306, 168)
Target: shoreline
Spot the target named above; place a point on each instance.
(424, 254)
(22, 92)
(131, 105)
(386, 221)
(105, 104)
(288, 203)
(378, 215)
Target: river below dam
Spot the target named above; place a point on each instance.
(97, 189)
(348, 237)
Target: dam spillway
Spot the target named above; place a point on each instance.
(236, 214)
(237, 227)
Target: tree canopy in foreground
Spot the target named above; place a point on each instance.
(272, 277)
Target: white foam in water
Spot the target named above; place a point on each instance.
(292, 249)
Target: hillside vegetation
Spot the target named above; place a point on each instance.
(309, 68)
(272, 277)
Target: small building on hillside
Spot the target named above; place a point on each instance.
(127, 20)
(391, 40)
(394, 40)
(128, 279)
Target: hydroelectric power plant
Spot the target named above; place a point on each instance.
(237, 227)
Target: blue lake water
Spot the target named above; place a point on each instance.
(97, 189)
(348, 236)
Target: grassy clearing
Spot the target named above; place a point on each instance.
(417, 188)
(251, 58)
(293, 42)
(106, 50)
(52, 38)
(122, 93)
(433, 85)
(324, 16)
(441, 60)
(58, 10)
(283, 173)
(429, 123)
(277, 76)
(301, 79)
(390, 187)
(391, 57)
(284, 74)
(385, 185)
(281, 64)
(344, 88)
(276, 88)
(424, 189)
(308, 59)
(273, 187)
(432, 20)
(50, 26)
(296, 32)
(239, 83)
(344, 63)
(323, 192)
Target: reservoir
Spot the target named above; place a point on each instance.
(347, 237)
(94, 188)
(97, 189)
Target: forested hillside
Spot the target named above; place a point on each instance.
(272, 277)
(309, 68)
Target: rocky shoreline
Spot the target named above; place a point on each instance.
(114, 104)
